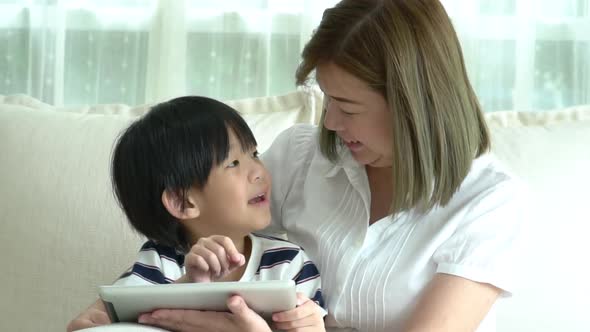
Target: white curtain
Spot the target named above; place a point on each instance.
(525, 54)
(521, 54)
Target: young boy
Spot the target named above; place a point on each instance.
(188, 177)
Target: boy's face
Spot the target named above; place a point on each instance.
(235, 200)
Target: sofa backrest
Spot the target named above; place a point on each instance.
(61, 231)
(550, 151)
(62, 234)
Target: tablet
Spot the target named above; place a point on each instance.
(123, 327)
(126, 303)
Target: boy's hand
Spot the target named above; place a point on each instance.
(211, 259)
(307, 317)
(95, 315)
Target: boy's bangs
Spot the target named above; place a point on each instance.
(243, 134)
(219, 138)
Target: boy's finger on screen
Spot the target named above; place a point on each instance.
(229, 246)
(237, 261)
(201, 264)
(220, 255)
(213, 262)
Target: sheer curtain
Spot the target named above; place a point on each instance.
(135, 51)
(521, 54)
(525, 54)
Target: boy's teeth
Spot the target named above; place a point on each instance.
(256, 199)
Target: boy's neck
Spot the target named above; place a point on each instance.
(241, 242)
(244, 246)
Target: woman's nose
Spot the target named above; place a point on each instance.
(331, 116)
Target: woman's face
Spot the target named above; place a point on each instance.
(358, 114)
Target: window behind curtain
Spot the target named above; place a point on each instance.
(520, 54)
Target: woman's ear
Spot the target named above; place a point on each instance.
(173, 202)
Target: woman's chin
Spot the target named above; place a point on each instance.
(373, 160)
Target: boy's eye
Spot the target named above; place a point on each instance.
(255, 154)
(233, 164)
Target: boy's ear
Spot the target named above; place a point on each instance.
(174, 204)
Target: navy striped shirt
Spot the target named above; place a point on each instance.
(270, 259)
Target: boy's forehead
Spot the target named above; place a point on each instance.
(238, 143)
(234, 143)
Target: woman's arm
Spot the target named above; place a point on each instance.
(451, 303)
(489, 246)
(95, 315)
(239, 319)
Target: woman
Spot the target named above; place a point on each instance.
(414, 226)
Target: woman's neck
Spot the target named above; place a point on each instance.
(381, 186)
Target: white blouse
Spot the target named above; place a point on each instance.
(372, 275)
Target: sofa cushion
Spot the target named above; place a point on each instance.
(62, 233)
(550, 151)
(57, 215)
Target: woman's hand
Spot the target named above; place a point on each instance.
(95, 315)
(211, 258)
(241, 319)
(307, 317)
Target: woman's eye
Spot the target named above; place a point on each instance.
(233, 164)
(346, 113)
(255, 154)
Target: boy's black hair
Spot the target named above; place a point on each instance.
(173, 147)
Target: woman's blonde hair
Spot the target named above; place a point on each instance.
(408, 51)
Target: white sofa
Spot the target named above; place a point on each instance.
(62, 235)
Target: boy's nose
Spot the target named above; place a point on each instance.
(257, 173)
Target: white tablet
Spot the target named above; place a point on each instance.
(126, 303)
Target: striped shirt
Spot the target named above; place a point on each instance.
(270, 259)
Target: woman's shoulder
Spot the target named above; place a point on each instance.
(482, 230)
(491, 182)
(298, 136)
(292, 148)
(487, 170)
